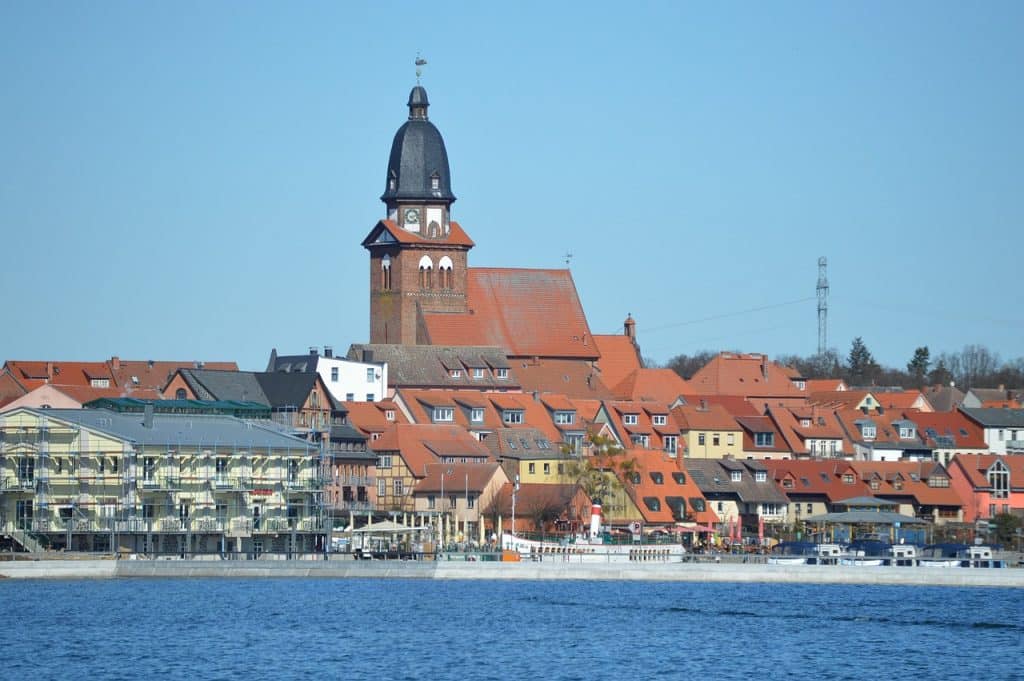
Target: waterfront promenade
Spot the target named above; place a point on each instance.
(670, 572)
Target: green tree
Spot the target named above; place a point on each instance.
(600, 473)
(1007, 526)
(918, 364)
(860, 363)
(940, 375)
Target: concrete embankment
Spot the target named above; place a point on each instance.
(675, 572)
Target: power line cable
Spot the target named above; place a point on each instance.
(725, 315)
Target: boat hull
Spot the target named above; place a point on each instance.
(587, 552)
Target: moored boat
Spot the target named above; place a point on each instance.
(591, 548)
(958, 556)
(804, 553)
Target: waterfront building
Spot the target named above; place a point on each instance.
(453, 497)
(708, 431)
(740, 490)
(157, 484)
(989, 484)
(810, 432)
(922, 488)
(814, 486)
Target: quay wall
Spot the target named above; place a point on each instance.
(674, 572)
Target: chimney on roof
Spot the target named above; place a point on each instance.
(328, 351)
(115, 363)
(313, 351)
(764, 366)
(147, 416)
(49, 371)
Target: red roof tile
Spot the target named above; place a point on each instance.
(530, 313)
(620, 357)
(748, 375)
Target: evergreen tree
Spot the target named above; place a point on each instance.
(860, 363)
(918, 364)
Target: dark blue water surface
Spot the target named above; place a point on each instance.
(362, 629)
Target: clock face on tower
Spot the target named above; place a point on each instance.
(412, 216)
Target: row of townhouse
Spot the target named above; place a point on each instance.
(148, 483)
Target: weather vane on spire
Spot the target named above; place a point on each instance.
(420, 63)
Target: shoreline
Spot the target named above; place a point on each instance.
(670, 572)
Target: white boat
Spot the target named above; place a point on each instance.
(590, 548)
(958, 556)
(804, 553)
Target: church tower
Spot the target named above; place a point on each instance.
(418, 255)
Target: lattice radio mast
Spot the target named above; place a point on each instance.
(822, 305)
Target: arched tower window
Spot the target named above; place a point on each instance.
(426, 272)
(385, 273)
(180, 394)
(444, 272)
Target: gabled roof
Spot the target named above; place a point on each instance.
(289, 390)
(659, 477)
(943, 398)
(713, 477)
(570, 377)
(620, 357)
(825, 385)
(371, 417)
(761, 424)
(10, 388)
(129, 375)
(912, 478)
(902, 399)
(996, 418)
(424, 366)
(948, 430)
(458, 477)
(823, 425)
(975, 468)
(418, 445)
(709, 417)
(816, 478)
(530, 313)
(663, 386)
(749, 375)
(224, 385)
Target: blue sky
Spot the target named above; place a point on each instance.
(192, 180)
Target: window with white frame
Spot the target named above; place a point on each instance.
(455, 373)
(398, 487)
(640, 440)
(431, 502)
(476, 414)
(670, 444)
(761, 476)
(478, 374)
(501, 373)
(565, 418)
(382, 488)
(736, 476)
(547, 469)
(659, 419)
(334, 374)
(573, 442)
(629, 419)
(730, 439)
(771, 509)
(531, 468)
(384, 461)
(868, 431)
(444, 414)
(764, 439)
(370, 373)
(512, 416)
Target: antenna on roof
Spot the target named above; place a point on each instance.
(420, 63)
(568, 258)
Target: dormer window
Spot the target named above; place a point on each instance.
(629, 419)
(868, 431)
(565, 418)
(736, 476)
(764, 439)
(906, 432)
(760, 476)
(658, 478)
(805, 423)
(787, 483)
(455, 373)
(99, 383)
(512, 416)
(444, 414)
(875, 485)
(501, 374)
(659, 419)
(435, 182)
(476, 415)
(848, 478)
(389, 414)
(478, 374)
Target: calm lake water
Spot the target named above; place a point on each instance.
(410, 629)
